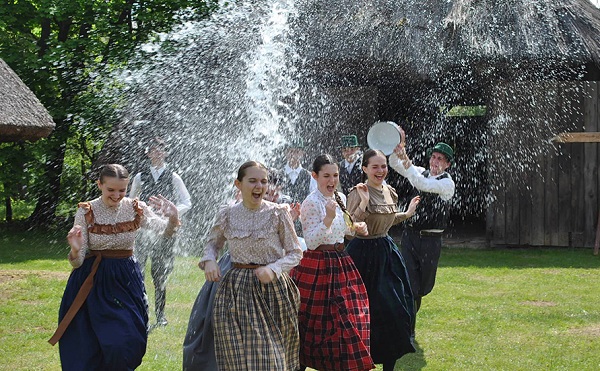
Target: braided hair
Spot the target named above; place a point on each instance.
(327, 159)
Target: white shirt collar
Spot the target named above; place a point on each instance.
(349, 165)
(289, 170)
(157, 172)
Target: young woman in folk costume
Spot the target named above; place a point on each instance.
(199, 342)
(103, 316)
(380, 263)
(334, 309)
(256, 305)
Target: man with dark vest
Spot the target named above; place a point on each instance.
(159, 179)
(422, 237)
(350, 167)
(298, 182)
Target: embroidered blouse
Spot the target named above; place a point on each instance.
(263, 236)
(381, 212)
(312, 214)
(113, 228)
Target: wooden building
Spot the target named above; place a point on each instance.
(533, 66)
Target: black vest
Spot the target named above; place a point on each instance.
(349, 180)
(163, 186)
(432, 212)
(299, 190)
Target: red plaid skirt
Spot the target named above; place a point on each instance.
(334, 313)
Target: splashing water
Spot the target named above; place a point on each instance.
(220, 92)
(241, 84)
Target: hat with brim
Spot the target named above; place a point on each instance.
(444, 149)
(349, 141)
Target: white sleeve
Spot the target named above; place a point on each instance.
(313, 185)
(314, 230)
(184, 202)
(444, 187)
(136, 186)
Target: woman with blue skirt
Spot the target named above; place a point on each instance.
(379, 262)
(103, 316)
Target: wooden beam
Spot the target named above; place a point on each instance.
(582, 137)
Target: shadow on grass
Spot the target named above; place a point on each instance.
(412, 361)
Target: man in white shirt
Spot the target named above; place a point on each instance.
(298, 182)
(351, 166)
(422, 237)
(159, 179)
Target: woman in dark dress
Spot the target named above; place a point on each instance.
(379, 262)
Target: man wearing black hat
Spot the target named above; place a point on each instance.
(350, 167)
(159, 178)
(422, 237)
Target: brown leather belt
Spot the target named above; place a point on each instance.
(246, 266)
(85, 288)
(338, 246)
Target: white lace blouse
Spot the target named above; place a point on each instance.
(263, 236)
(314, 230)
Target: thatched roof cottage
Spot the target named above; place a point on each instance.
(22, 115)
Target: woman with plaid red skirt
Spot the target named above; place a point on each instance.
(255, 311)
(334, 308)
(381, 265)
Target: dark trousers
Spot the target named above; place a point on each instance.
(162, 259)
(421, 255)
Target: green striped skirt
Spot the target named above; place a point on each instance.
(256, 325)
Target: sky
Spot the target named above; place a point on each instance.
(596, 2)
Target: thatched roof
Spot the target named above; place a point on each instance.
(22, 115)
(426, 38)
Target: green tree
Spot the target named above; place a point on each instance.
(59, 48)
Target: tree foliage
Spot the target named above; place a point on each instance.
(62, 49)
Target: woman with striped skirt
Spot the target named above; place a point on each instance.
(255, 311)
(334, 308)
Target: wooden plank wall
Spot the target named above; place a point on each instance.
(557, 205)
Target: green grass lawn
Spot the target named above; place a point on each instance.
(500, 309)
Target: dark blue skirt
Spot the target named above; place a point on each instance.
(199, 342)
(109, 332)
(391, 301)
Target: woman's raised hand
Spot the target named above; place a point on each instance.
(75, 239)
(412, 207)
(294, 210)
(330, 208)
(163, 206)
